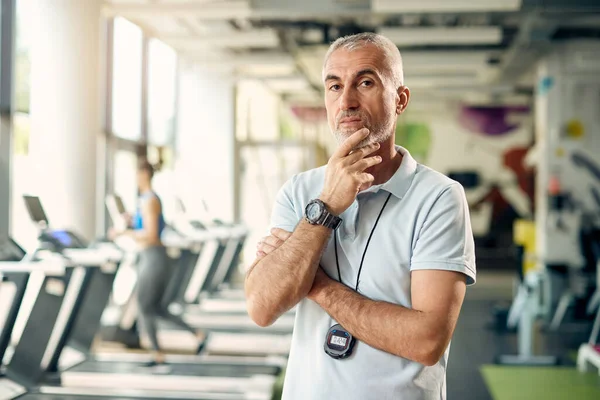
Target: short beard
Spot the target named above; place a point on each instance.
(379, 132)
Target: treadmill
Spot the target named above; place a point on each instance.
(40, 341)
(15, 271)
(119, 320)
(211, 291)
(210, 296)
(212, 313)
(236, 238)
(85, 330)
(216, 294)
(227, 335)
(211, 376)
(230, 331)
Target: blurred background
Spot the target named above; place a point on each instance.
(226, 98)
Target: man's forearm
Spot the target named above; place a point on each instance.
(394, 329)
(278, 281)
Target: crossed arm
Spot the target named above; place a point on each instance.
(420, 333)
(287, 270)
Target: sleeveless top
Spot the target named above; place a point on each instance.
(138, 218)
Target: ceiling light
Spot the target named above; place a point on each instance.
(424, 6)
(442, 35)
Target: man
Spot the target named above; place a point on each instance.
(375, 249)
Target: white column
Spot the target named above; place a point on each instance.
(66, 109)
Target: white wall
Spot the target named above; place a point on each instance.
(454, 148)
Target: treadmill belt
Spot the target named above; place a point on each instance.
(59, 393)
(33, 396)
(42, 396)
(197, 370)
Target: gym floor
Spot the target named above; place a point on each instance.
(472, 374)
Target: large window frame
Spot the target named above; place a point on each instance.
(112, 142)
(7, 62)
(170, 142)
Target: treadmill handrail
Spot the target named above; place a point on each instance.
(47, 267)
(176, 242)
(210, 234)
(92, 257)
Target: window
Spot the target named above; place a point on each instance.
(257, 112)
(125, 178)
(163, 182)
(23, 178)
(162, 71)
(127, 80)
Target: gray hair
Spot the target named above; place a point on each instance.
(390, 50)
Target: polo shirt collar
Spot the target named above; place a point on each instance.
(397, 185)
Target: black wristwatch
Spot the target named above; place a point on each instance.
(316, 213)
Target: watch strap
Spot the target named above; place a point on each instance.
(330, 221)
(326, 218)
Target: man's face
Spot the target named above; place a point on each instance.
(359, 93)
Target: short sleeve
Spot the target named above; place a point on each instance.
(283, 215)
(445, 240)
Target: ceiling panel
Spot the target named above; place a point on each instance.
(165, 25)
(288, 84)
(419, 36)
(415, 63)
(438, 6)
(257, 38)
(449, 47)
(214, 10)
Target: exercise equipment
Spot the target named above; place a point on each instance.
(228, 328)
(40, 369)
(527, 306)
(589, 353)
(15, 271)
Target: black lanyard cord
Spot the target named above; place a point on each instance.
(366, 246)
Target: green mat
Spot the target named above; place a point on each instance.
(278, 386)
(572, 356)
(544, 383)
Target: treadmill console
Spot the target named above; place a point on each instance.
(59, 240)
(198, 225)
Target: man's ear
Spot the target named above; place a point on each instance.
(402, 99)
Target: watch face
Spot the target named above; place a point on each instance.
(313, 211)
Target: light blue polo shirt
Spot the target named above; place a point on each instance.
(425, 225)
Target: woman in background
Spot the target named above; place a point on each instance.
(147, 225)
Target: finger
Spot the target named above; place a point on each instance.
(350, 143)
(365, 178)
(281, 234)
(273, 241)
(266, 248)
(361, 153)
(260, 254)
(365, 163)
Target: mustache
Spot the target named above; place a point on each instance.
(350, 114)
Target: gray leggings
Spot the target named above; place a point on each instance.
(153, 278)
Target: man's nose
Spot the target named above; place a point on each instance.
(349, 99)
